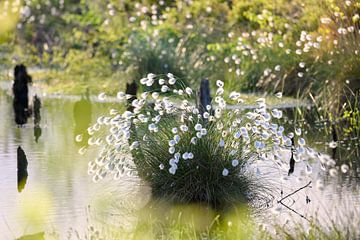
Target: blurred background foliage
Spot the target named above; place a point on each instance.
(307, 49)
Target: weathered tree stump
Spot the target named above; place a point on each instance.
(37, 106)
(82, 113)
(20, 91)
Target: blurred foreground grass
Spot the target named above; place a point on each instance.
(162, 221)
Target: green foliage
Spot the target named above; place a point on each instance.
(241, 42)
(351, 115)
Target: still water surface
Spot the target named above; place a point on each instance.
(57, 173)
(58, 180)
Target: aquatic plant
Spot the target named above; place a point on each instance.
(189, 153)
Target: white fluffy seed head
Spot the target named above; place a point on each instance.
(225, 172)
(235, 162)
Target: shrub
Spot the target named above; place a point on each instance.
(189, 154)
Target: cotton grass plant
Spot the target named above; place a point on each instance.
(188, 153)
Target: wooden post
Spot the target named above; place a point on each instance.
(132, 90)
(292, 160)
(37, 106)
(204, 96)
(20, 91)
(334, 138)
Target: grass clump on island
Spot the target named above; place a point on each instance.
(190, 154)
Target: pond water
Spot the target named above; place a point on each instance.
(58, 191)
(57, 173)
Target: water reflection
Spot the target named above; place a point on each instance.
(82, 113)
(292, 160)
(37, 118)
(37, 132)
(57, 173)
(22, 164)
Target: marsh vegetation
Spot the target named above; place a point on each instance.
(125, 142)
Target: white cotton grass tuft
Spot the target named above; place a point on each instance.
(333, 172)
(234, 96)
(78, 138)
(167, 137)
(198, 127)
(102, 96)
(225, 172)
(219, 84)
(333, 144)
(345, 168)
(235, 162)
(298, 131)
(279, 95)
(82, 150)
